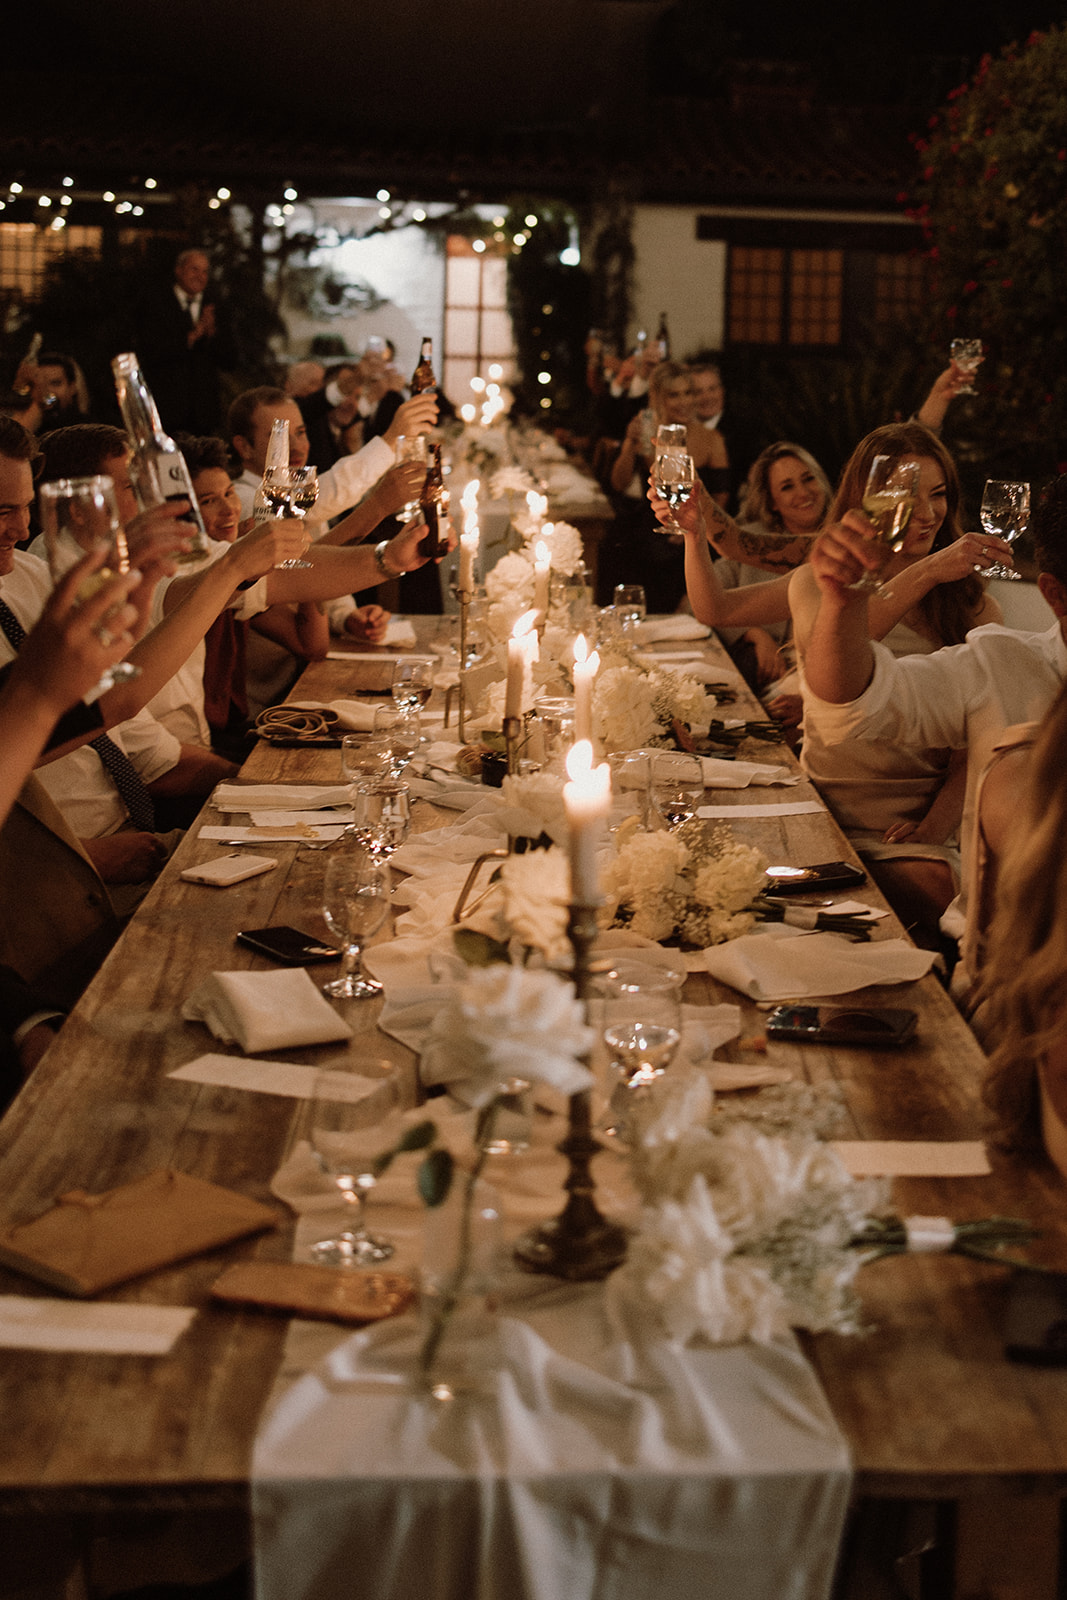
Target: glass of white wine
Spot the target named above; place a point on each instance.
(888, 502)
(968, 354)
(292, 492)
(381, 817)
(1006, 514)
(642, 1030)
(674, 479)
(630, 605)
(677, 786)
(355, 903)
(413, 680)
(80, 515)
(671, 436)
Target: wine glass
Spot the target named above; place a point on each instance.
(347, 1146)
(1006, 513)
(630, 607)
(677, 786)
(968, 354)
(888, 502)
(397, 732)
(642, 1030)
(79, 515)
(381, 816)
(674, 479)
(364, 757)
(671, 436)
(295, 490)
(355, 903)
(413, 680)
(411, 447)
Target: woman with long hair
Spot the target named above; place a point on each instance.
(1023, 991)
(902, 807)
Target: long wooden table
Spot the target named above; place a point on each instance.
(930, 1407)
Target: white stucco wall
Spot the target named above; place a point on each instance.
(676, 272)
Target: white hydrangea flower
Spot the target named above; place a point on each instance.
(536, 888)
(623, 711)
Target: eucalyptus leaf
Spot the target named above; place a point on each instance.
(478, 949)
(435, 1177)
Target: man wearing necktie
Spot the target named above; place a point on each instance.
(183, 345)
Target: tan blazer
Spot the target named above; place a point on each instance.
(56, 919)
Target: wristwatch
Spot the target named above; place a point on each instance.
(380, 561)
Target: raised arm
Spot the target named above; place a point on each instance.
(712, 603)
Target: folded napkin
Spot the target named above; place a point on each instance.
(400, 634)
(280, 796)
(99, 1329)
(704, 671)
(676, 627)
(813, 964)
(355, 716)
(265, 1010)
(720, 774)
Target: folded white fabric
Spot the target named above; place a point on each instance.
(814, 964)
(676, 627)
(355, 716)
(719, 774)
(265, 1010)
(280, 796)
(400, 634)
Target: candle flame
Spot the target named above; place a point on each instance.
(541, 552)
(581, 648)
(526, 624)
(580, 760)
(469, 499)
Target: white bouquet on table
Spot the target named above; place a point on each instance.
(510, 480)
(743, 1235)
(633, 708)
(695, 884)
(563, 543)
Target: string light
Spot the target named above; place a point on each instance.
(222, 194)
(290, 193)
(419, 214)
(530, 220)
(150, 183)
(478, 246)
(68, 183)
(383, 195)
(16, 188)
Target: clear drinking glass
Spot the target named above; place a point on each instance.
(80, 515)
(346, 1141)
(355, 903)
(968, 354)
(397, 730)
(1006, 513)
(411, 447)
(677, 786)
(672, 436)
(674, 478)
(888, 502)
(381, 817)
(413, 680)
(555, 719)
(290, 492)
(631, 787)
(642, 1030)
(630, 607)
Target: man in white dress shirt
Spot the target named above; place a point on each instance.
(960, 697)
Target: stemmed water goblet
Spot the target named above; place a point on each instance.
(413, 680)
(381, 817)
(677, 786)
(1006, 514)
(355, 903)
(674, 479)
(347, 1147)
(397, 731)
(888, 502)
(642, 1031)
(968, 354)
(79, 515)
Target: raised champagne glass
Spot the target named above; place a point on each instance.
(80, 515)
(674, 479)
(888, 502)
(1006, 514)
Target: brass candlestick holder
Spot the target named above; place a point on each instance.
(579, 1245)
(512, 743)
(464, 597)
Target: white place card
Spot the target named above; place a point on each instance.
(267, 1077)
(914, 1158)
(785, 808)
(273, 834)
(96, 1327)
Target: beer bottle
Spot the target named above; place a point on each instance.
(663, 338)
(157, 467)
(423, 376)
(431, 504)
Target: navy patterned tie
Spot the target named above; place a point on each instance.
(120, 769)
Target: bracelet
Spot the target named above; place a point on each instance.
(380, 563)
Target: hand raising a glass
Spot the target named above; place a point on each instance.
(79, 516)
(674, 479)
(968, 354)
(1005, 514)
(888, 502)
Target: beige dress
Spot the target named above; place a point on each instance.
(870, 784)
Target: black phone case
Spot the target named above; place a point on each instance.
(288, 946)
(1035, 1323)
(874, 1027)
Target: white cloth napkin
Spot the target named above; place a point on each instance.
(280, 796)
(355, 716)
(101, 1328)
(690, 667)
(813, 964)
(677, 627)
(265, 1010)
(400, 634)
(720, 774)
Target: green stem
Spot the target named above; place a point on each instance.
(454, 1283)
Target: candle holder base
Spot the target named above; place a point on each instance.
(512, 741)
